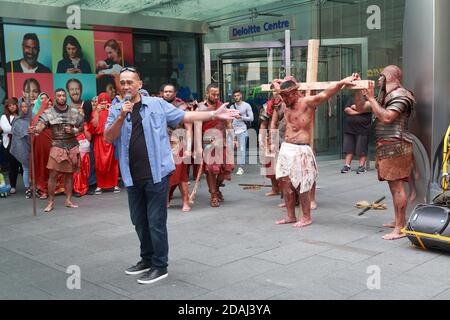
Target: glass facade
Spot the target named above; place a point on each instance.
(168, 59)
(2, 73)
(162, 58)
(362, 36)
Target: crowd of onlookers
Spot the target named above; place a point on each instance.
(99, 168)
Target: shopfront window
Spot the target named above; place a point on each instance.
(2, 74)
(168, 59)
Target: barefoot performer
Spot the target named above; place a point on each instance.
(394, 148)
(65, 122)
(181, 148)
(296, 165)
(215, 147)
(269, 158)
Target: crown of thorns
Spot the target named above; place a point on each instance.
(287, 90)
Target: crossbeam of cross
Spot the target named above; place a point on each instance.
(312, 84)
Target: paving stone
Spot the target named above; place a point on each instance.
(232, 252)
(220, 277)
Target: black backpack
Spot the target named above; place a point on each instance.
(247, 123)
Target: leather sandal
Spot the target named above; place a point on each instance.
(214, 200)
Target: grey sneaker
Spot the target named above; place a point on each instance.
(361, 169)
(139, 268)
(346, 169)
(153, 275)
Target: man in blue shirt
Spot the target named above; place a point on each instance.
(138, 129)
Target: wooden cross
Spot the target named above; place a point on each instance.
(311, 83)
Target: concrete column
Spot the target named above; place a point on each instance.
(426, 52)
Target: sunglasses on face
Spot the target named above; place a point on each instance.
(131, 69)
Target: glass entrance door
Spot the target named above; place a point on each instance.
(247, 70)
(248, 65)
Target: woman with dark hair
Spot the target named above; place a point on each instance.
(72, 61)
(20, 145)
(114, 61)
(107, 83)
(31, 89)
(10, 113)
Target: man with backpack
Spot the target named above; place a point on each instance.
(241, 125)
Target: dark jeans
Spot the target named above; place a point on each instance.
(14, 169)
(148, 209)
(92, 180)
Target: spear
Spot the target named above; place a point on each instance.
(33, 179)
(196, 185)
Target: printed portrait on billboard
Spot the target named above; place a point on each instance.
(79, 87)
(27, 50)
(113, 51)
(72, 51)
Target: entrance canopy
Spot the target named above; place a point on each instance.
(198, 10)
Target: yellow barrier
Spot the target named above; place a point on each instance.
(420, 235)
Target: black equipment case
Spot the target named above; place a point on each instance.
(429, 227)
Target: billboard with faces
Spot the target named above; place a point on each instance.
(48, 58)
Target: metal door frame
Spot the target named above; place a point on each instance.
(363, 42)
(233, 45)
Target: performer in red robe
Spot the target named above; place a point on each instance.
(81, 177)
(181, 149)
(106, 166)
(218, 152)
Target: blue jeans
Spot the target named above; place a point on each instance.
(26, 175)
(242, 147)
(148, 209)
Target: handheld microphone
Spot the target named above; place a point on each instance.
(128, 98)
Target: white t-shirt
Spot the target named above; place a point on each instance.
(246, 113)
(6, 128)
(26, 69)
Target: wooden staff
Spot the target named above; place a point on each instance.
(255, 185)
(197, 184)
(33, 175)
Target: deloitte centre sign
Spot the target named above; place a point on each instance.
(261, 27)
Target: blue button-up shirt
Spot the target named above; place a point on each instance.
(156, 113)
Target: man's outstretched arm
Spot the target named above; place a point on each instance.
(220, 114)
(325, 95)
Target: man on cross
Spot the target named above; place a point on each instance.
(296, 166)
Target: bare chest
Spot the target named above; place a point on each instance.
(299, 118)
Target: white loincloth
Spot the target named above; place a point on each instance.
(299, 164)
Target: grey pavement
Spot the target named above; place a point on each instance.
(232, 252)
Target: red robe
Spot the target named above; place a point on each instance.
(181, 173)
(106, 166)
(80, 178)
(224, 166)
